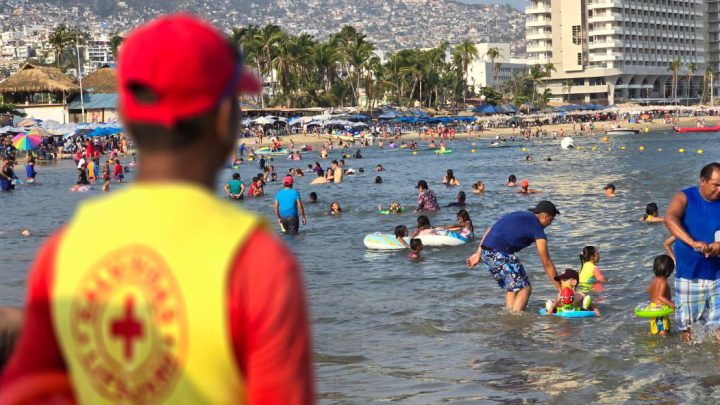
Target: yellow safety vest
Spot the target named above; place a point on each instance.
(141, 311)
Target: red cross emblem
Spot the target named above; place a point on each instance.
(127, 328)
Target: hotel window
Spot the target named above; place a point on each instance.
(576, 35)
(579, 59)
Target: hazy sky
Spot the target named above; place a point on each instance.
(518, 4)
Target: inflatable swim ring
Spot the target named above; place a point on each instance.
(383, 241)
(443, 152)
(442, 238)
(578, 313)
(268, 151)
(650, 310)
(387, 212)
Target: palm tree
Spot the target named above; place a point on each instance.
(691, 68)
(535, 76)
(266, 38)
(494, 53)
(674, 67)
(710, 72)
(325, 58)
(356, 53)
(115, 42)
(545, 97)
(548, 68)
(59, 39)
(467, 52)
(567, 87)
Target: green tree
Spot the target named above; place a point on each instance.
(691, 70)
(567, 87)
(494, 53)
(59, 38)
(674, 67)
(535, 76)
(466, 52)
(115, 42)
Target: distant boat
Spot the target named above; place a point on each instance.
(622, 131)
(697, 129)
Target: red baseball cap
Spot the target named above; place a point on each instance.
(288, 180)
(185, 65)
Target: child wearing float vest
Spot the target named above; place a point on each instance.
(589, 273)
(569, 299)
(659, 292)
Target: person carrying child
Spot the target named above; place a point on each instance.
(569, 299)
(659, 292)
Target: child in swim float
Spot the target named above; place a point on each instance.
(401, 232)
(569, 299)
(589, 273)
(464, 225)
(659, 292)
(395, 208)
(416, 245)
(652, 214)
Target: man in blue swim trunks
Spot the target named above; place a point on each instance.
(510, 234)
(693, 217)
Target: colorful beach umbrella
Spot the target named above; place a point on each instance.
(26, 142)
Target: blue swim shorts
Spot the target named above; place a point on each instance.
(506, 269)
(697, 301)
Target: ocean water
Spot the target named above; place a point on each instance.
(388, 329)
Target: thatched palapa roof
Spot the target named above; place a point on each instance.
(39, 79)
(103, 80)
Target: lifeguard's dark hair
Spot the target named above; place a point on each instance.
(152, 137)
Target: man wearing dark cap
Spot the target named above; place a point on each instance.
(189, 299)
(510, 234)
(427, 201)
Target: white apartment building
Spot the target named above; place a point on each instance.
(481, 73)
(98, 52)
(611, 51)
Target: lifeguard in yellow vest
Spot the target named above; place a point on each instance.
(189, 299)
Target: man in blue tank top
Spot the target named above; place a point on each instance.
(693, 217)
(510, 234)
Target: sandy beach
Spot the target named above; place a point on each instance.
(600, 127)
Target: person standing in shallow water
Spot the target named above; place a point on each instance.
(693, 218)
(509, 235)
(427, 201)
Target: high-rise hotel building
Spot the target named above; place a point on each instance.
(610, 51)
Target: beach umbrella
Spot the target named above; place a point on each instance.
(265, 120)
(38, 132)
(26, 141)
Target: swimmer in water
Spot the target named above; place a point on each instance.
(525, 188)
(395, 208)
(378, 180)
(464, 225)
(432, 144)
(401, 232)
(335, 208)
(652, 214)
(313, 198)
(460, 200)
(416, 245)
(379, 168)
(609, 190)
(423, 227)
(589, 273)
(478, 187)
(450, 179)
(512, 181)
